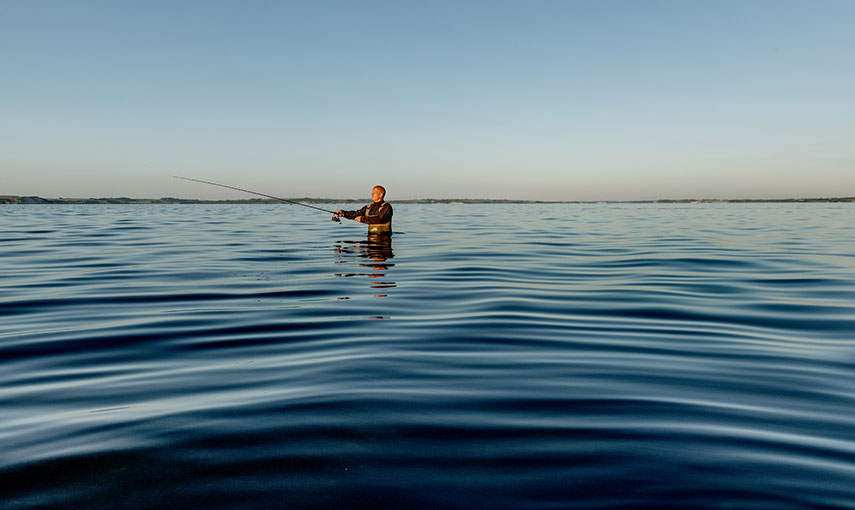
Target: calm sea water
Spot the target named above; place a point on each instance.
(497, 356)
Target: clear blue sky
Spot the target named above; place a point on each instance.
(551, 100)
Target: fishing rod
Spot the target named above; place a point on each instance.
(335, 217)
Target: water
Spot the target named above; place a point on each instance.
(495, 356)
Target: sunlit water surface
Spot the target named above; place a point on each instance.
(490, 356)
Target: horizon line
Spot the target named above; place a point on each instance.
(35, 199)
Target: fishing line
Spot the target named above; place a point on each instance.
(335, 218)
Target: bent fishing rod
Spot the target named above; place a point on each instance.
(335, 217)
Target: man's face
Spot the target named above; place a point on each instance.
(377, 195)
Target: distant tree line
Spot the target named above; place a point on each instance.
(13, 199)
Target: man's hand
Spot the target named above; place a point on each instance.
(359, 219)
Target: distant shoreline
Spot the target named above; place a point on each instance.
(35, 200)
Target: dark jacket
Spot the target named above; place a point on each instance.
(378, 216)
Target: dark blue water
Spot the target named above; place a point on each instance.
(532, 356)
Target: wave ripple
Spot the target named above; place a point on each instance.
(536, 356)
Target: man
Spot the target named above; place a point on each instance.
(377, 215)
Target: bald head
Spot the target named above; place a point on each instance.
(378, 193)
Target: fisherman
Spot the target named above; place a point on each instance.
(378, 215)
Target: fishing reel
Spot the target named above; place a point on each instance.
(336, 219)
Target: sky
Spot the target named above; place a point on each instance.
(529, 100)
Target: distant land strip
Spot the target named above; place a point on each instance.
(24, 200)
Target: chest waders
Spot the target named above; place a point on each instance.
(377, 228)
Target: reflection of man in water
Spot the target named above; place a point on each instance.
(376, 250)
(378, 215)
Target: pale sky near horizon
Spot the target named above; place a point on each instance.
(537, 100)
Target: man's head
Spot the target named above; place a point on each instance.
(377, 193)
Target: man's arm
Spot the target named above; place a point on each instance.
(352, 214)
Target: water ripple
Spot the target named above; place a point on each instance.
(574, 356)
